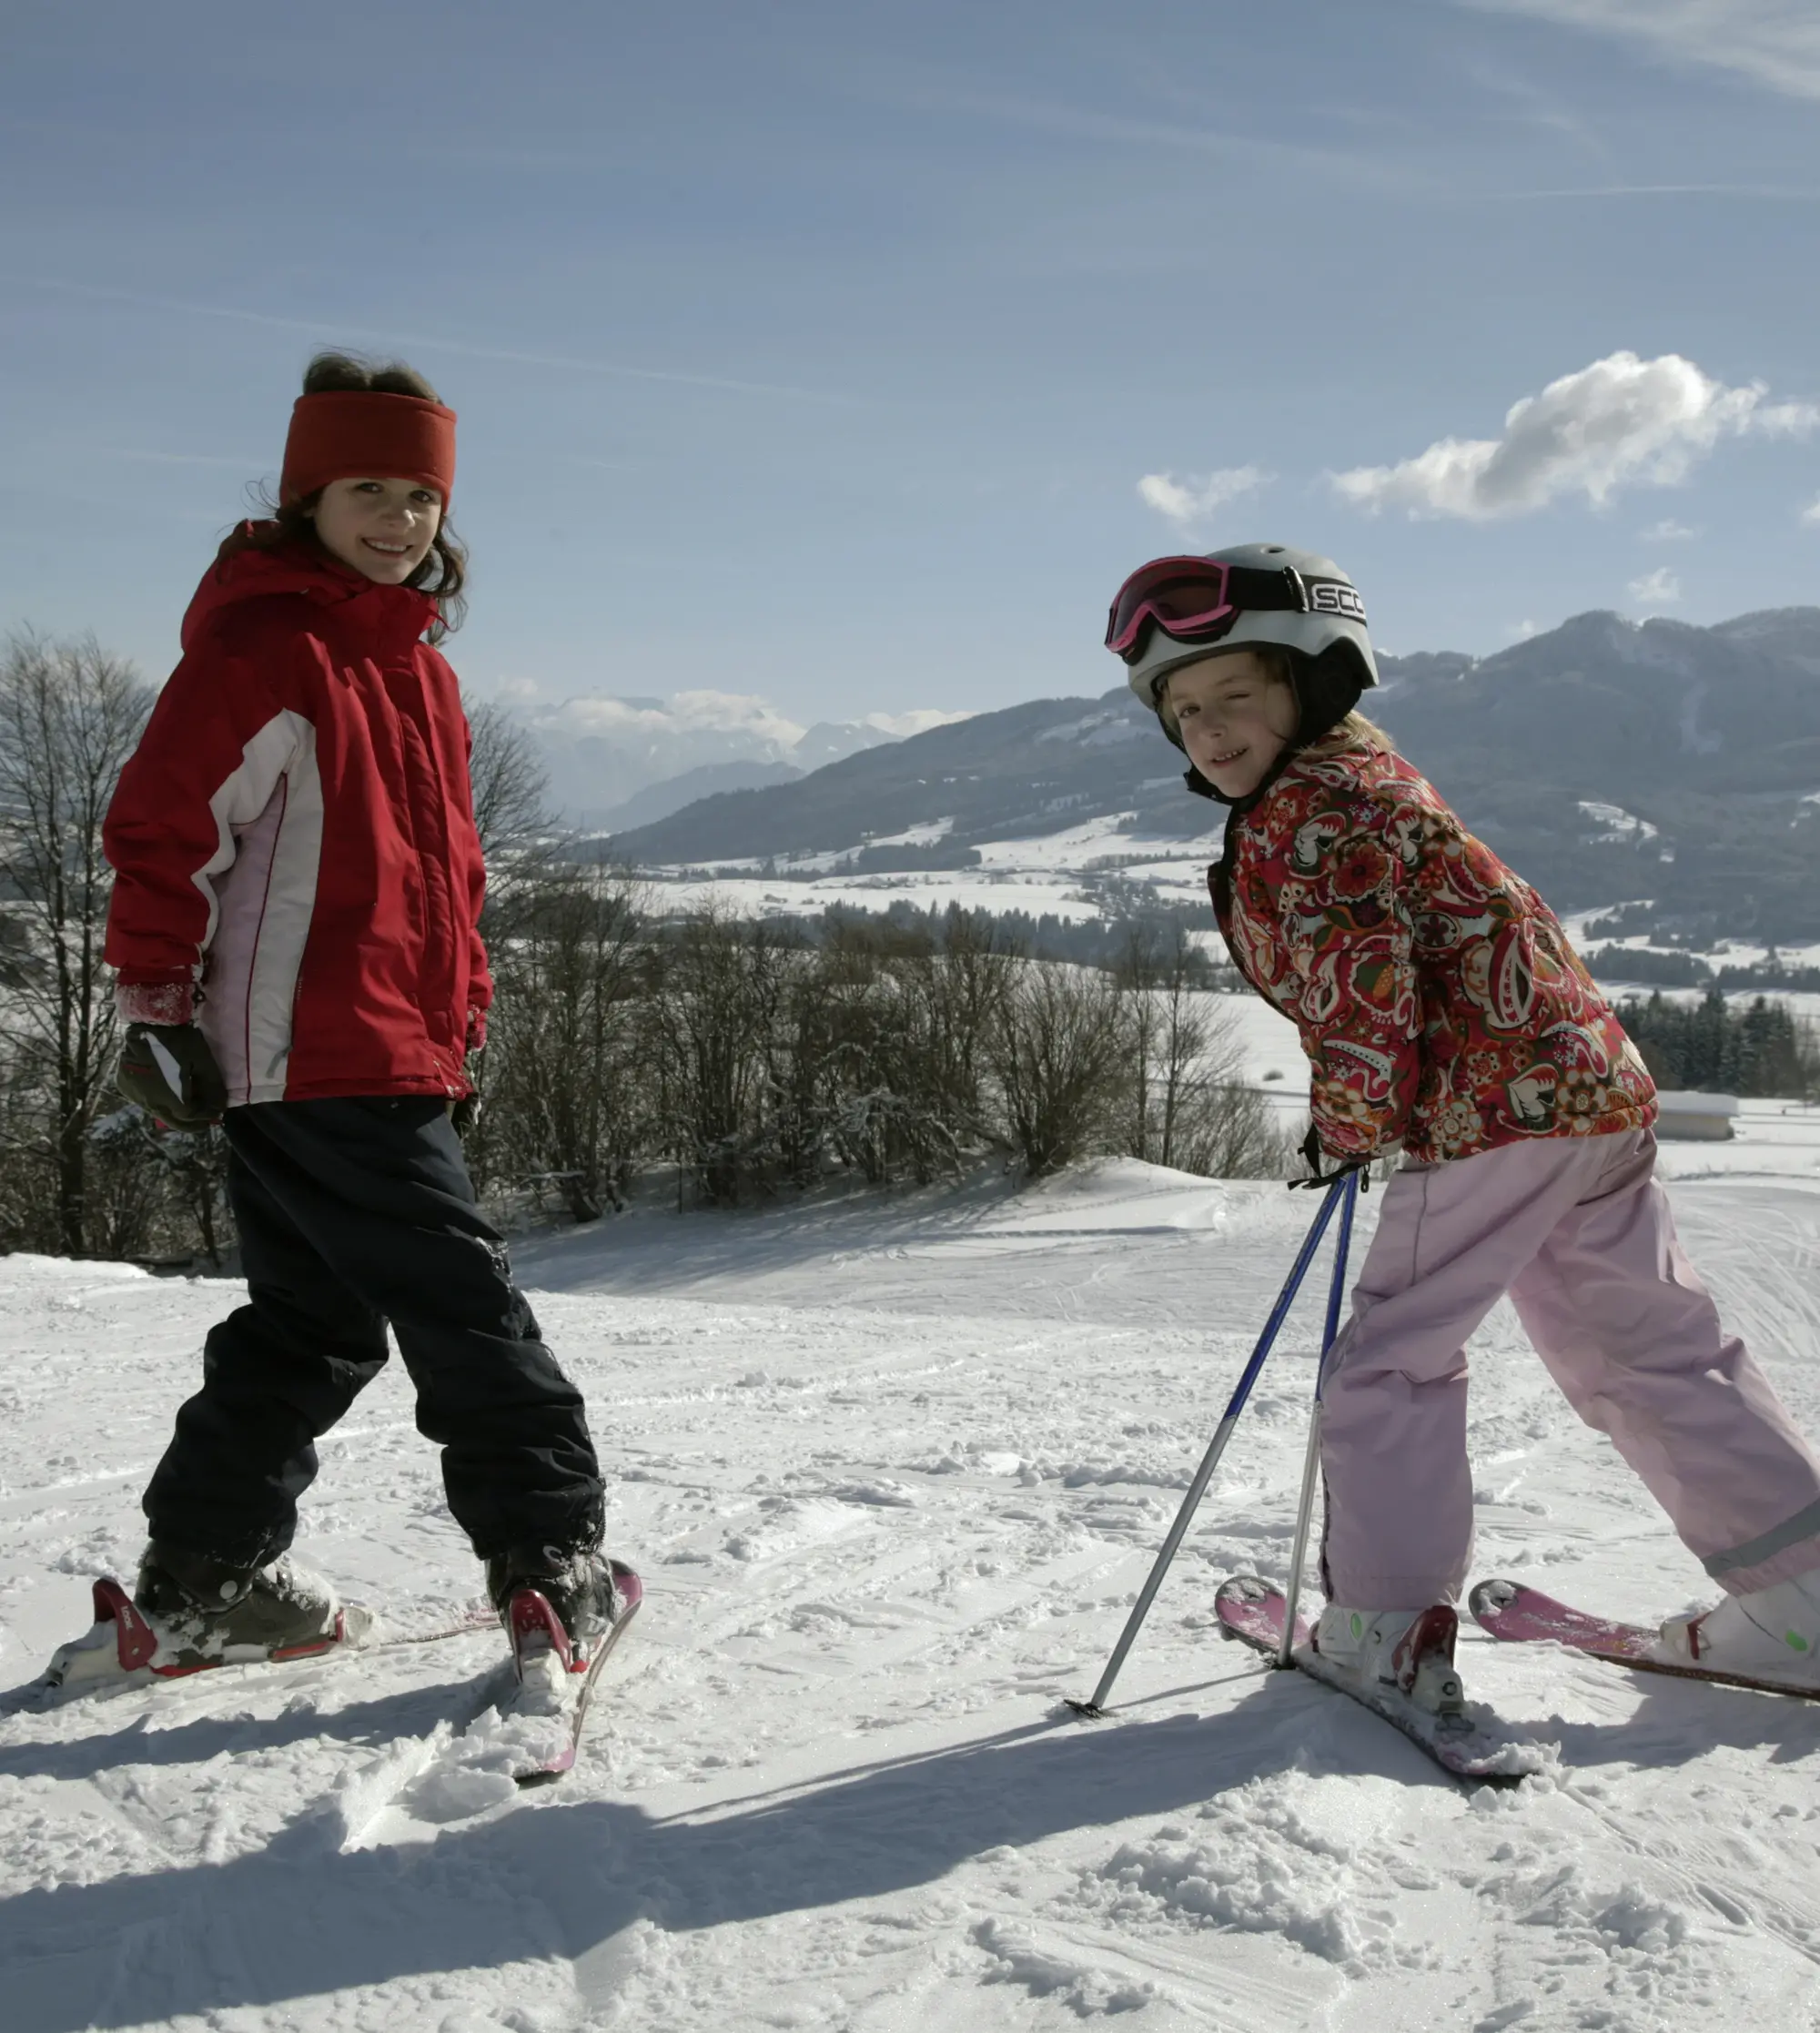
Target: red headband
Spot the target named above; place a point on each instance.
(362, 434)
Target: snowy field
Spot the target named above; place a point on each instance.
(1038, 875)
(893, 1471)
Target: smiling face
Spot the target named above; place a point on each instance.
(383, 528)
(1235, 716)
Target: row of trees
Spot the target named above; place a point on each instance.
(1712, 1048)
(1669, 968)
(748, 1061)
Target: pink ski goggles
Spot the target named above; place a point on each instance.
(1198, 599)
(1187, 597)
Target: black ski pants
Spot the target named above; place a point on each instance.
(353, 1213)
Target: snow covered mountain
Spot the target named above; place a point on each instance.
(615, 762)
(1609, 762)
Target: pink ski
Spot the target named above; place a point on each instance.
(549, 1671)
(1520, 1615)
(1472, 1745)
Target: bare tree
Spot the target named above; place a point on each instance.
(1057, 1051)
(1135, 970)
(70, 716)
(1231, 1131)
(511, 786)
(562, 1095)
(712, 1044)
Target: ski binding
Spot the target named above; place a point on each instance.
(1465, 1738)
(123, 1649)
(542, 1720)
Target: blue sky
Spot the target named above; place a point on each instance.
(850, 355)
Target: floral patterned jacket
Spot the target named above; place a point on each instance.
(1442, 1009)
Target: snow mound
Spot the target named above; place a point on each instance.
(1121, 1193)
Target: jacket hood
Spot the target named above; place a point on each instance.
(300, 569)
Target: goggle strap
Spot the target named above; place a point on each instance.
(1268, 592)
(1286, 592)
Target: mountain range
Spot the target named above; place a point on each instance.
(1673, 768)
(620, 762)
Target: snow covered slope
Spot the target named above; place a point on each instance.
(893, 1471)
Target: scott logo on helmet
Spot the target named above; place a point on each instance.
(1328, 596)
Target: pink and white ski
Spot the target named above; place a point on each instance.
(554, 1681)
(1472, 1745)
(1516, 1614)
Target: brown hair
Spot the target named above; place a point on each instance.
(443, 573)
(1352, 731)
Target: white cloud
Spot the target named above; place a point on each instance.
(1774, 42)
(519, 692)
(1521, 631)
(1660, 588)
(1622, 421)
(1811, 514)
(737, 716)
(1194, 497)
(1786, 420)
(599, 749)
(1665, 531)
(736, 723)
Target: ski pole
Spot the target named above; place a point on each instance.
(1216, 1447)
(1349, 1195)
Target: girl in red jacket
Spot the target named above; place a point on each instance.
(1446, 1017)
(295, 925)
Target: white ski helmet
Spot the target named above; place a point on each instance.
(1295, 600)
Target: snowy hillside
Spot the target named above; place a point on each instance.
(893, 1471)
(1687, 789)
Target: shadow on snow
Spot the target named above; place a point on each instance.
(304, 1915)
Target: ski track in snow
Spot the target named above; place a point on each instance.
(892, 1471)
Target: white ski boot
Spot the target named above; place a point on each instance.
(1411, 1650)
(1771, 1633)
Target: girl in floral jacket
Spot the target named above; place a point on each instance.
(1446, 1018)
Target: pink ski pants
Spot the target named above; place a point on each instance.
(1580, 1234)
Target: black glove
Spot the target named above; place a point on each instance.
(168, 1069)
(1312, 1155)
(466, 1112)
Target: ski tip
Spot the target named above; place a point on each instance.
(1246, 1588)
(1493, 1598)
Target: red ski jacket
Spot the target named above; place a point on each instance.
(294, 836)
(1438, 1001)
